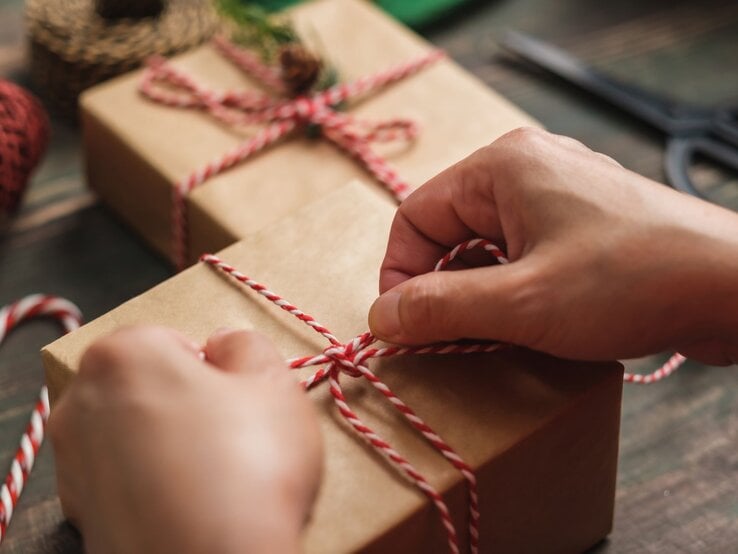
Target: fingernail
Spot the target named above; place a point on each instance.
(384, 316)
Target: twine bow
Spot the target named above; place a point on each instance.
(169, 86)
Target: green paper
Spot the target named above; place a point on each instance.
(415, 13)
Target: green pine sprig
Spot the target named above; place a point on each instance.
(267, 33)
(256, 28)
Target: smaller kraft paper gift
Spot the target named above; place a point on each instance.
(198, 151)
(504, 451)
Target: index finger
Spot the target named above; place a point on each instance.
(456, 205)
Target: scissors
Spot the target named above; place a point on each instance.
(690, 129)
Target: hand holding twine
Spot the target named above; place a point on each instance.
(169, 86)
(352, 358)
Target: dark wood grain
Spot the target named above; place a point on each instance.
(678, 476)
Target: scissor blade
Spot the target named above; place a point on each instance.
(642, 104)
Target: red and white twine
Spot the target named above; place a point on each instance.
(69, 317)
(170, 86)
(352, 358)
(671, 365)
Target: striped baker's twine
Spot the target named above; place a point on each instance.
(169, 86)
(671, 365)
(352, 358)
(69, 316)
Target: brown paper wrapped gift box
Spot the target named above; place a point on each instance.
(136, 150)
(541, 433)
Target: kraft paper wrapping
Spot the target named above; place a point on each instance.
(136, 150)
(542, 433)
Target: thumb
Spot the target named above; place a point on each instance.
(242, 352)
(479, 303)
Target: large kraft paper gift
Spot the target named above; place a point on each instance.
(136, 150)
(541, 433)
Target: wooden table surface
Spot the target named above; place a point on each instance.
(678, 475)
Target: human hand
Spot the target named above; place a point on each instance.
(157, 451)
(604, 263)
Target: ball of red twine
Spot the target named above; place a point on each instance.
(24, 134)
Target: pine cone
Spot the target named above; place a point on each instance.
(300, 68)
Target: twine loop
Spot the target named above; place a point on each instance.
(348, 357)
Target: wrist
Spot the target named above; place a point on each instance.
(727, 314)
(714, 256)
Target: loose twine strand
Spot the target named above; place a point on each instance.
(12, 315)
(352, 357)
(164, 84)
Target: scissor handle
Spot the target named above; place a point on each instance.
(680, 153)
(726, 125)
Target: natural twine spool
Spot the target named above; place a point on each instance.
(72, 46)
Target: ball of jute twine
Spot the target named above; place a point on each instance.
(76, 44)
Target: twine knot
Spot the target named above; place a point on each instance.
(349, 356)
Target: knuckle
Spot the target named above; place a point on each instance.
(115, 353)
(572, 143)
(254, 340)
(517, 151)
(110, 355)
(241, 337)
(610, 160)
(146, 336)
(102, 357)
(524, 137)
(230, 342)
